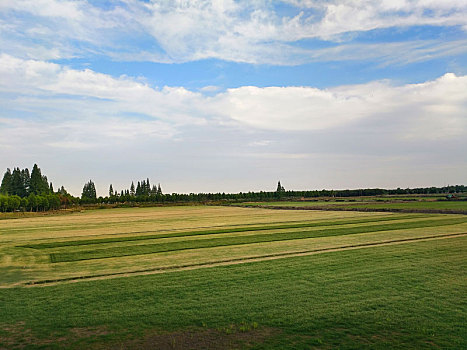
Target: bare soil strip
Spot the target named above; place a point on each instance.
(237, 260)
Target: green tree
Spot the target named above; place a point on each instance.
(111, 191)
(3, 202)
(5, 187)
(32, 202)
(39, 183)
(138, 189)
(17, 183)
(13, 202)
(26, 179)
(280, 188)
(89, 191)
(54, 201)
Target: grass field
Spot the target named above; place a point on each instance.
(407, 204)
(228, 277)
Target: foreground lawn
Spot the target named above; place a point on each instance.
(401, 296)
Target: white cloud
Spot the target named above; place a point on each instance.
(210, 88)
(94, 122)
(96, 93)
(431, 109)
(181, 31)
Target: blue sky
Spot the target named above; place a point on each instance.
(235, 95)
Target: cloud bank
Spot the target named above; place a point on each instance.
(62, 96)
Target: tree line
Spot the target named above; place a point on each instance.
(25, 191)
(31, 191)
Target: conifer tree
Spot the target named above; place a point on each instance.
(26, 179)
(147, 190)
(138, 189)
(111, 191)
(5, 187)
(280, 188)
(89, 191)
(17, 184)
(132, 189)
(39, 183)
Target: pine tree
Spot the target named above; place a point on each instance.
(132, 189)
(138, 189)
(39, 183)
(111, 191)
(63, 191)
(147, 190)
(6, 182)
(280, 190)
(279, 187)
(159, 190)
(17, 183)
(89, 191)
(26, 179)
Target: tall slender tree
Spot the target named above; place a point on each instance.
(39, 183)
(5, 187)
(17, 183)
(89, 191)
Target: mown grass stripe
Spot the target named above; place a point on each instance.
(240, 240)
(246, 259)
(211, 232)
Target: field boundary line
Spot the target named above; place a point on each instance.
(235, 261)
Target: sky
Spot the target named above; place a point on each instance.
(230, 96)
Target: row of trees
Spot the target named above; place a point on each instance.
(21, 183)
(143, 192)
(30, 203)
(21, 190)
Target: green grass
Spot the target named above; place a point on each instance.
(409, 294)
(409, 205)
(399, 297)
(437, 205)
(119, 251)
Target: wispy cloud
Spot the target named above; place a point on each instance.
(240, 31)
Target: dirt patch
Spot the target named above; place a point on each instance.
(242, 336)
(231, 337)
(18, 336)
